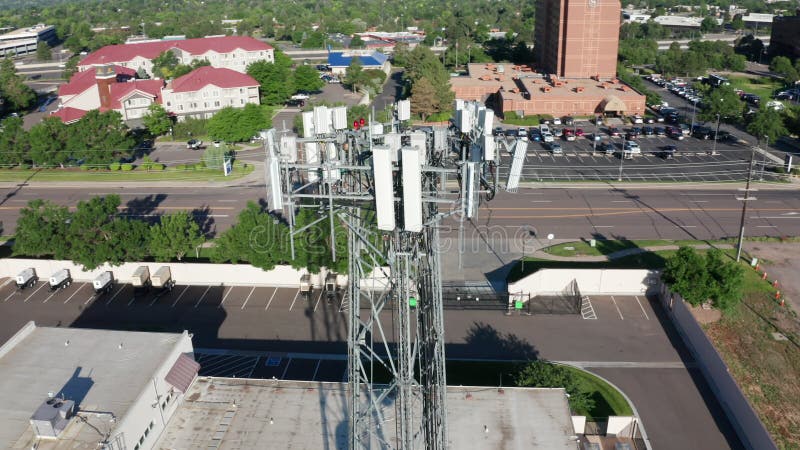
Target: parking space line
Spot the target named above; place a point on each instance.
(73, 294)
(202, 297)
(133, 299)
(155, 299)
(34, 292)
(51, 295)
(121, 287)
(318, 299)
(179, 296)
(615, 306)
(283, 377)
(270, 299)
(245, 300)
(640, 306)
(9, 296)
(295, 299)
(315, 370)
(224, 297)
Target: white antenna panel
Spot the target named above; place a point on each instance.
(274, 174)
(489, 148)
(331, 153)
(393, 141)
(419, 142)
(384, 191)
(288, 148)
(312, 157)
(331, 174)
(412, 190)
(458, 104)
(339, 116)
(322, 120)
(486, 120)
(269, 141)
(470, 191)
(404, 110)
(377, 129)
(465, 120)
(440, 139)
(308, 124)
(516, 166)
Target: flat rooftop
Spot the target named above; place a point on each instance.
(103, 371)
(234, 414)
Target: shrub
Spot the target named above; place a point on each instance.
(84, 167)
(114, 166)
(24, 166)
(179, 167)
(126, 167)
(158, 167)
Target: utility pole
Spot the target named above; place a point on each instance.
(744, 201)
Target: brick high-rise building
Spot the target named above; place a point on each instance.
(577, 38)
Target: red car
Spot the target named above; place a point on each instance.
(579, 132)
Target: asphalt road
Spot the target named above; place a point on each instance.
(628, 341)
(593, 211)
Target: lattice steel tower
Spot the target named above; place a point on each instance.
(386, 188)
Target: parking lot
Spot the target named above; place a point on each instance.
(694, 160)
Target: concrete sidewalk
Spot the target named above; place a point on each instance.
(541, 254)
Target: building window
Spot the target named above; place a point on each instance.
(169, 103)
(241, 101)
(181, 108)
(241, 91)
(216, 103)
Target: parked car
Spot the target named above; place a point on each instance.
(555, 148)
(194, 144)
(522, 132)
(659, 131)
(632, 147)
(569, 135)
(613, 131)
(557, 132)
(556, 121)
(637, 119)
(569, 121)
(579, 132)
(701, 132)
(608, 148)
(547, 137)
(648, 131)
(668, 151)
(498, 131)
(536, 136)
(544, 128)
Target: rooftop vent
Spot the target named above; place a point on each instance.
(52, 417)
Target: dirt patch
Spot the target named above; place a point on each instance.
(780, 261)
(705, 316)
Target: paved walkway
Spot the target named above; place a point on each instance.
(622, 253)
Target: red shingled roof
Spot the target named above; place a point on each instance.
(220, 77)
(120, 90)
(150, 50)
(86, 79)
(69, 115)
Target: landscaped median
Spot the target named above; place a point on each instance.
(177, 173)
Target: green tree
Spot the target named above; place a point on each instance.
(356, 42)
(17, 95)
(709, 25)
(165, 64)
(547, 375)
(237, 125)
(71, 66)
(99, 137)
(354, 74)
(43, 52)
(157, 120)
(306, 78)
(257, 237)
(424, 100)
(312, 250)
(47, 142)
(13, 141)
(41, 230)
(174, 236)
(687, 274)
(275, 79)
(751, 47)
(722, 101)
(783, 66)
(131, 241)
(727, 280)
(422, 63)
(767, 122)
(90, 235)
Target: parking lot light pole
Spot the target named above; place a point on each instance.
(694, 109)
(596, 129)
(622, 157)
(714, 149)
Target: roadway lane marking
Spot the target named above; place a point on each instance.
(766, 226)
(316, 369)
(615, 306)
(541, 201)
(603, 226)
(270, 298)
(295, 299)
(630, 364)
(699, 201)
(640, 306)
(121, 287)
(202, 297)
(179, 296)
(621, 201)
(73, 294)
(34, 292)
(224, 297)
(318, 299)
(687, 226)
(775, 217)
(248, 297)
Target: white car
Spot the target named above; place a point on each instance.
(543, 128)
(632, 147)
(547, 137)
(638, 119)
(556, 121)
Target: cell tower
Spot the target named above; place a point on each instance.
(387, 184)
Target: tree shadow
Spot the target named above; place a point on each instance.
(205, 220)
(485, 341)
(143, 208)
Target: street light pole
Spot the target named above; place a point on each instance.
(622, 157)
(744, 200)
(714, 149)
(764, 159)
(594, 138)
(694, 109)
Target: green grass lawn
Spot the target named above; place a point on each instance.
(607, 400)
(606, 247)
(107, 175)
(763, 87)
